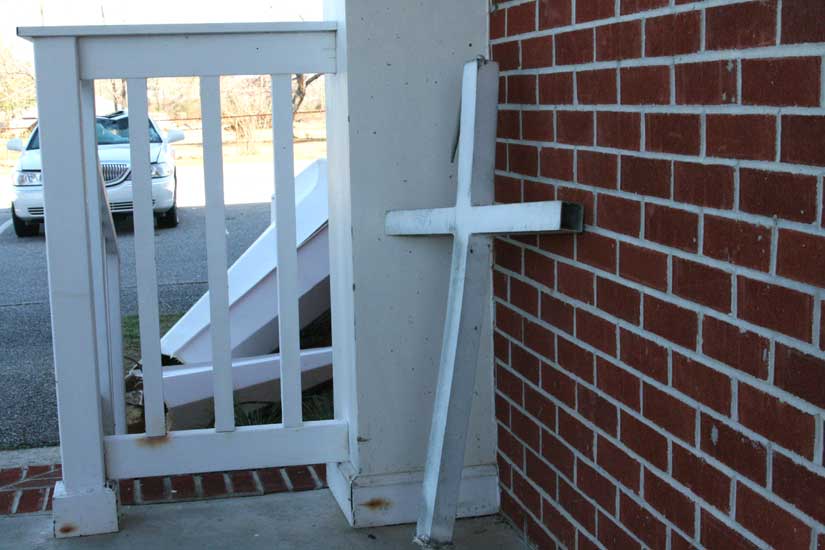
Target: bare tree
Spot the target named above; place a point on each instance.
(17, 89)
(300, 91)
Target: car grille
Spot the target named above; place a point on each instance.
(114, 172)
(124, 206)
(36, 211)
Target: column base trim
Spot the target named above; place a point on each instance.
(81, 514)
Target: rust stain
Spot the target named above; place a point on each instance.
(66, 529)
(156, 441)
(377, 504)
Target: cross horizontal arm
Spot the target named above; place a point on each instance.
(530, 217)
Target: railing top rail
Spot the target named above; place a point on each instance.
(176, 29)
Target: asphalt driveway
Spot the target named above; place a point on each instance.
(28, 415)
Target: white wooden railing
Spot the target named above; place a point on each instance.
(84, 263)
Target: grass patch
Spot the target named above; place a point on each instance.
(316, 405)
(131, 336)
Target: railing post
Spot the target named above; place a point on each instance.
(83, 503)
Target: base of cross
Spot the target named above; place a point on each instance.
(471, 223)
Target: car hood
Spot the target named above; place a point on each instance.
(30, 160)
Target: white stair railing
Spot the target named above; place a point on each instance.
(84, 265)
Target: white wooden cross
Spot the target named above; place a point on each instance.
(470, 222)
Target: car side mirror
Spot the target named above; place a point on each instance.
(15, 144)
(174, 135)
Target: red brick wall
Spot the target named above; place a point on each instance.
(661, 377)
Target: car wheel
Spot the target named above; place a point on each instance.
(22, 228)
(169, 218)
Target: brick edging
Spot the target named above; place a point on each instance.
(29, 489)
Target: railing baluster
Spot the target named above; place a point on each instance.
(147, 285)
(288, 327)
(114, 320)
(216, 254)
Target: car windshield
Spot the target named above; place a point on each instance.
(110, 131)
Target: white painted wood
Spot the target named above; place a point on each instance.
(216, 253)
(192, 451)
(207, 55)
(189, 29)
(145, 266)
(115, 327)
(288, 323)
(69, 253)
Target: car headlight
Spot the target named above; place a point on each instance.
(161, 170)
(27, 177)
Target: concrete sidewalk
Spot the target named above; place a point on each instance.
(305, 521)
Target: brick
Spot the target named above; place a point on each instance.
(521, 18)
(782, 309)
(501, 156)
(765, 81)
(509, 124)
(509, 384)
(734, 449)
(524, 492)
(126, 493)
(801, 256)
(574, 127)
(506, 54)
(802, 21)
(576, 434)
(780, 194)
(619, 464)
(575, 359)
(584, 542)
(539, 268)
(621, 130)
(582, 196)
(769, 522)
(612, 536)
(183, 487)
(706, 83)
(557, 244)
(738, 26)
(151, 489)
(574, 47)
(497, 23)
(699, 476)
(597, 169)
(643, 355)
(9, 476)
(524, 363)
(675, 34)
(537, 534)
(557, 313)
(562, 529)
(538, 191)
(634, 6)
(540, 407)
(737, 242)
(800, 486)
(715, 534)
(619, 41)
(672, 227)
(597, 410)
(619, 214)
(510, 446)
(670, 321)
(702, 383)
(556, 89)
(618, 300)
(642, 523)
(578, 507)
(537, 52)
(538, 125)
(645, 85)
(802, 138)
(596, 250)
(555, 13)
(539, 339)
(618, 383)
(558, 385)
(596, 87)
(524, 296)
(672, 133)
(213, 484)
(599, 333)
(31, 500)
(513, 510)
(596, 486)
(523, 159)
(741, 136)
(502, 408)
(575, 282)
(800, 374)
(507, 190)
(521, 89)
(669, 501)
(703, 184)
(590, 10)
(557, 163)
(557, 454)
(780, 422)
(508, 255)
(646, 176)
(524, 428)
(669, 413)
(643, 265)
(6, 502)
(644, 440)
(702, 284)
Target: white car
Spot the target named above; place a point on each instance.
(113, 151)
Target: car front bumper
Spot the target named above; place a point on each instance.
(28, 200)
